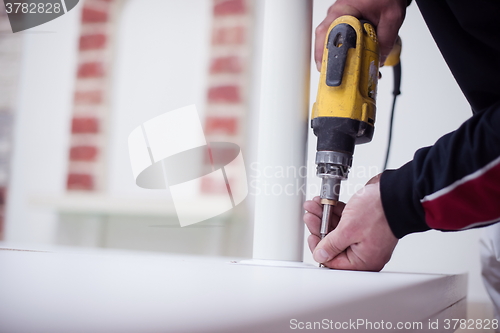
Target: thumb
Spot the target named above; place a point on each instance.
(332, 245)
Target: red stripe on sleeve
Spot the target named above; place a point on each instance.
(472, 201)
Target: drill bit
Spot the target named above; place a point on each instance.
(324, 223)
(325, 220)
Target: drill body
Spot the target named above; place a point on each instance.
(344, 112)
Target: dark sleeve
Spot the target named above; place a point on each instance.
(455, 184)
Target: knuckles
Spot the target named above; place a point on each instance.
(320, 30)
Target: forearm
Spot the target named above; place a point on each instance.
(452, 185)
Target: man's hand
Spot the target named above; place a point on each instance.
(386, 15)
(362, 239)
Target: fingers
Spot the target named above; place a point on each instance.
(314, 214)
(336, 10)
(332, 245)
(314, 207)
(386, 15)
(319, 41)
(340, 262)
(340, 255)
(312, 241)
(313, 223)
(347, 260)
(387, 31)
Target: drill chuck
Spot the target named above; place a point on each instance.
(333, 162)
(332, 168)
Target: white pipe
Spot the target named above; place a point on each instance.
(284, 101)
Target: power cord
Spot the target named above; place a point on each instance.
(395, 93)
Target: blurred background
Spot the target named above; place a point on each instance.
(73, 89)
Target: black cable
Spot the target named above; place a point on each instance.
(396, 92)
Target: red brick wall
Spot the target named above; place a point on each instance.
(226, 106)
(86, 171)
(227, 91)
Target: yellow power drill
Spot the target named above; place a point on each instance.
(344, 112)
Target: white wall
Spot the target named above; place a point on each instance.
(430, 106)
